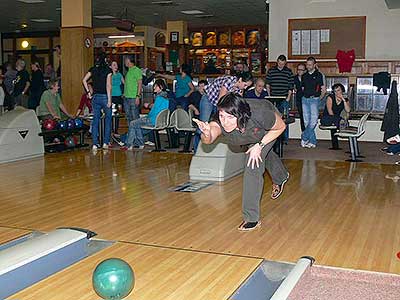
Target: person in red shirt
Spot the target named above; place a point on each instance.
(86, 101)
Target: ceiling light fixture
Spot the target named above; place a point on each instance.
(41, 20)
(31, 1)
(192, 12)
(121, 36)
(322, 1)
(162, 2)
(25, 44)
(104, 17)
(24, 25)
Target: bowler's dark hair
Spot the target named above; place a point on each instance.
(161, 84)
(245, 76)
(235, 105)
(336, 85)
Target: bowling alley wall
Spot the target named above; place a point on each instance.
(382, 24)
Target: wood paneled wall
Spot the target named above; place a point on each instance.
(76, 59)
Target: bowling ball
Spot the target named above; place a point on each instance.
(49, 124)
(62, 125)
(71, 124)
(70, 141)
(113, 278)
(78, 123)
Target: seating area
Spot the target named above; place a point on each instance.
(175, 123)
(334, 137)
(353, 134)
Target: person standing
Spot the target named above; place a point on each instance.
(280, 83)
(183, 88)
(101, 76)
(313, 87)
(301, 68)
(21, 84)
(37, 86)
(49, 73)
(116, 93)
(132, 90)
(215, 91)
(117, 82)
(57, 49)
(257, 125)
(2, 94)
(9, 77)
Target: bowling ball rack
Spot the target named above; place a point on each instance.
(50, 135)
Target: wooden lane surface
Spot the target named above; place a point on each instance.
(344, 215)
(161, 274)
(8, 234)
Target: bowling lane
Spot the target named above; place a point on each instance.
(8, 234)
(161, 274)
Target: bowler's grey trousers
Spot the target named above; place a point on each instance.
(253, 181)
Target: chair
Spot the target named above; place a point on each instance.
(182, 122)
(353, 135)
(162, 122)
(334, 137)
(173, 138)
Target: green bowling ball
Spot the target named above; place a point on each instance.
(113, 279)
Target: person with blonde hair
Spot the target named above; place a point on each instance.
(21, 84)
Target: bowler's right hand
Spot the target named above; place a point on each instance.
(203, 126)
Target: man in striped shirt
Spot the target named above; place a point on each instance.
(280, 82)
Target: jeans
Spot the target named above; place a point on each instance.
(206, 110)
(253, 181)
(283, 107)
(300, 110)
(132, 110)
(136, 133)
(394, 148)
(310, 114)
(99, 102)
(181, 101)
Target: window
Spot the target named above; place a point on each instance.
(368, 98)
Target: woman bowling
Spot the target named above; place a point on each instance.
(255, 124)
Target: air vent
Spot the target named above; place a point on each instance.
(164, 3)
